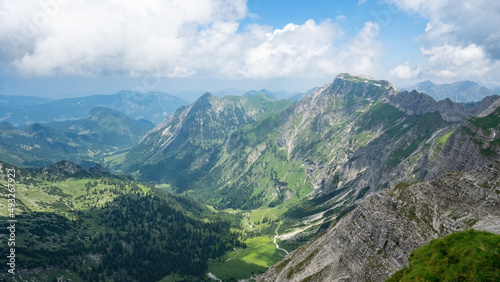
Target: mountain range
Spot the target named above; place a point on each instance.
(152, 106)
(85, 141)
(332, 142)
(461, 92)
(341, 184)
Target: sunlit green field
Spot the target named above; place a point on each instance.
(260, 254)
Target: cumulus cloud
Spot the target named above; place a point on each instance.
(461, 38)
(74, 37)
(405, 71)
(293, 49)
(452, 61)
(171, 39)
(463, 22)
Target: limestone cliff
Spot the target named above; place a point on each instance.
(376, 239)
(462, 191)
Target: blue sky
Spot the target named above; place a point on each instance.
(67, 48)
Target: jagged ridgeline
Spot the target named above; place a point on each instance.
(342, 142)
(90, 225)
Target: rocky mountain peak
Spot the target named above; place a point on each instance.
(425, 84)
(358, 86)
(6, 126)
(206, 97)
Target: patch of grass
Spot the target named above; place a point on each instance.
(260, 254)
(488, 122)
(488, 152)
(115, 159)
(423, 128)
(468, 131)
(271, 213)
(177, 278)
(402, 154)
(495, 142)
(402, 185)
(378, 114)
(462, 256)
(442, 140)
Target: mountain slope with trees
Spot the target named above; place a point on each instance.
(90, 225)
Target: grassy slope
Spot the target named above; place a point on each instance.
(260, 254)
(463, 256)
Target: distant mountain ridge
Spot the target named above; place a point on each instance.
(264, 92)
(152, 106)
(462, 92)
(13, 102)
(83, 141)
(108, 127)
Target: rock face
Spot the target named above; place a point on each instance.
(376, 239)
(475, 143)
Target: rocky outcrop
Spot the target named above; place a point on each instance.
(487, 106)
(475, 143)
(70, 169)
(419, 103)
(376, 239)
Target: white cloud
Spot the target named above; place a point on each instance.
(95, 37)
(455, 61)
(172, 38)
(461, 39)
(363, 54)
(292, 50)
(405, 71)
